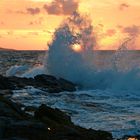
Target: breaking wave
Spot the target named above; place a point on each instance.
(83, 67)
(73, 55)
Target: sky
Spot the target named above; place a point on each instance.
(30, 24)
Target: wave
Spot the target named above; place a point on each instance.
(72, 55)
(118, 72)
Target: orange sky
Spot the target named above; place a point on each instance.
(29, 24)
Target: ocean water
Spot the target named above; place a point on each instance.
(115, 110)
(28, 59)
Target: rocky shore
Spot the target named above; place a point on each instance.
(45, 123)
(46, 82)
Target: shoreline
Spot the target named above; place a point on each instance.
(16, 121)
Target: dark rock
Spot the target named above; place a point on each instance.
(52, 114)
(46, 79)
(27, 129)
(47, 124)
(63, 128)
(30, 109)
(5, 83)
(2, 128)
(51, 83)
(67, 85)
(6, 93)
(10, 109)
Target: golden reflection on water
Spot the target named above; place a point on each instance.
(132, 139)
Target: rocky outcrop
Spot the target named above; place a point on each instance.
(45, 124)
(51, 83)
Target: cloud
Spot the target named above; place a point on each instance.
(33, 11)
(119, 26)
(1, 23)
(123, 6)
(33, 33)
(110, 32)
(37, 21)
(10, 32)
(132, 31)
(61, 7)
(101, 25)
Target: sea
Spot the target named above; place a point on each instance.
(106, 99)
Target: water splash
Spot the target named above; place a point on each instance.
(81, 67)
(72, 55)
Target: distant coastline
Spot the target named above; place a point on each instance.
(6, 49)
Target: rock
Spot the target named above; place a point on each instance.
(52, 114)
(5, 83)
(47, 124)
(67, 85)
(30, 109)
(10, 109)
(46, 79)
(6, 93)
(51, 83)
(27, 129)
(62, 127)
(2, 128)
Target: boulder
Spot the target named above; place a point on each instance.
(51, 83)
(10, 109)
(54, 115)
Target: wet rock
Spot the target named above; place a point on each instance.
(30, 109)
(5, 83)
(66, 85)
(46, 79)
(10, 109)
(51, 83)
(47, 124)
(52, 114)
(62, 128)
(27, 129)
(6, 93)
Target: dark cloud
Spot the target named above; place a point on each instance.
(132, 31)
(33, 11)
(61, 7)
(123, 6)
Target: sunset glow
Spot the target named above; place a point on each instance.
(30, 24)
(77, 48)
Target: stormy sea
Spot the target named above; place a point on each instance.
(109, 100)
(108, 82)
